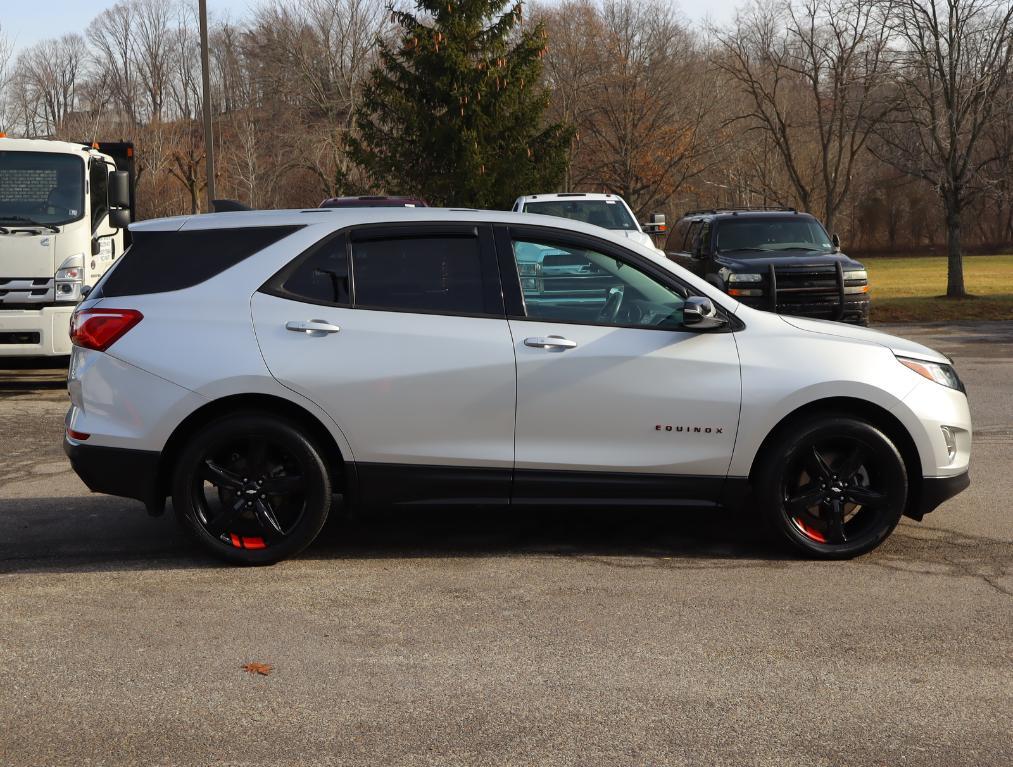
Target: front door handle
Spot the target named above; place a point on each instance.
(312, 327)
(553, 343)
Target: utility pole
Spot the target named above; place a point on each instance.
(209, 137)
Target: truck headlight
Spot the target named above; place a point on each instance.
(940, 373)
(856, 274)
(745, 278)
(68, 283)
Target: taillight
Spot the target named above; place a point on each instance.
(99, 329)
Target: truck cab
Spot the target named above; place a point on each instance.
(609, 211)
(774, 259)
(64, 210)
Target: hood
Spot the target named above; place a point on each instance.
(901, 346)
(641, 238)
(796, 259)
(27, 255)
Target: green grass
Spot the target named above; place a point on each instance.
(912, 289)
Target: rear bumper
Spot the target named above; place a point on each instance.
(116, 470)
(935, 491)
(35, 332)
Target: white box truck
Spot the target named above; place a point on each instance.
(64, 211)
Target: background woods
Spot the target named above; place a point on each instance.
(890, 119)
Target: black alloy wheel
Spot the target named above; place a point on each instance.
(834, 487)
(251, 489)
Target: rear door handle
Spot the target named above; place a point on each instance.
(555, 343)
(312, 327)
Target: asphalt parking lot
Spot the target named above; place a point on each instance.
(482, 637)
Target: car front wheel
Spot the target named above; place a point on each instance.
(251, 489)
(834, 487)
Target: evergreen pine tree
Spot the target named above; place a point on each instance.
(454, 111)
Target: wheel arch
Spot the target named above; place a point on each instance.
(337, 466)
(874, 414)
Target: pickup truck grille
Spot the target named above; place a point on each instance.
(809, 292)
(15, 292)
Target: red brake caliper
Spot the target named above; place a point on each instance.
(251, 542)
(808, 531)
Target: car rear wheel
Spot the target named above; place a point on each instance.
(251, 489)
(833, 487)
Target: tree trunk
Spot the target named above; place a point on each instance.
(955, 263)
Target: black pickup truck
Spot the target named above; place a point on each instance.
(775, 259)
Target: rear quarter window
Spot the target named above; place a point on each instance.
(162, 261)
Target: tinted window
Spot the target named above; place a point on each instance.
(759, 235)
(694, 229)
(158, 262)
(677, 237)
(322, 277)
(574, 284)
(98, 187)
(419, 274)
(609, 214)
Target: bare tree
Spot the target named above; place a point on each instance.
(815, 74)
(111, 37)
(571, 69)
(6, 53)
(154, 51)
(630, 77)
(316, 54)
(47, 77)
(953, 61)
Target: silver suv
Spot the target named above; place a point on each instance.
(251, 365)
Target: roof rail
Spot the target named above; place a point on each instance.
(742, 209)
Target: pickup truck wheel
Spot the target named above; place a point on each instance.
(834, 487)
(251, 489)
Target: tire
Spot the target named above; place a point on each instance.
(832, 486)
(251, 489)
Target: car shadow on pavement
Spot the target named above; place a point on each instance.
(97, 533)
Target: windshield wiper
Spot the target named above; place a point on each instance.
(742, 250)
(800, 247)
(29, 221)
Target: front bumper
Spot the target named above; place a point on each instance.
(855, 312)
(116, 470)
(934, 491)
(35, 332)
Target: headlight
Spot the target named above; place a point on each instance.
(856, 274)
(74, 273)
(942, 374)
(68, 282)
(745, 278)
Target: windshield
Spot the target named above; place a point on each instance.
(45, 187)
(771, 234)
(608, 214)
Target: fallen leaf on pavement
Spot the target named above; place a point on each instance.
(258, 668)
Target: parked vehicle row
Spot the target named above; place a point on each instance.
(416, 356)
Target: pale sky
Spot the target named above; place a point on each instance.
(27, 23)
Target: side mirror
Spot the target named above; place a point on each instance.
(119, 189)
(119, 218)
(699, 313)
(655, 224)
(836, 240)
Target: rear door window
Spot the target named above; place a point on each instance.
(436, 274)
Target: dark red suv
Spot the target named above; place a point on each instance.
(374, 201)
